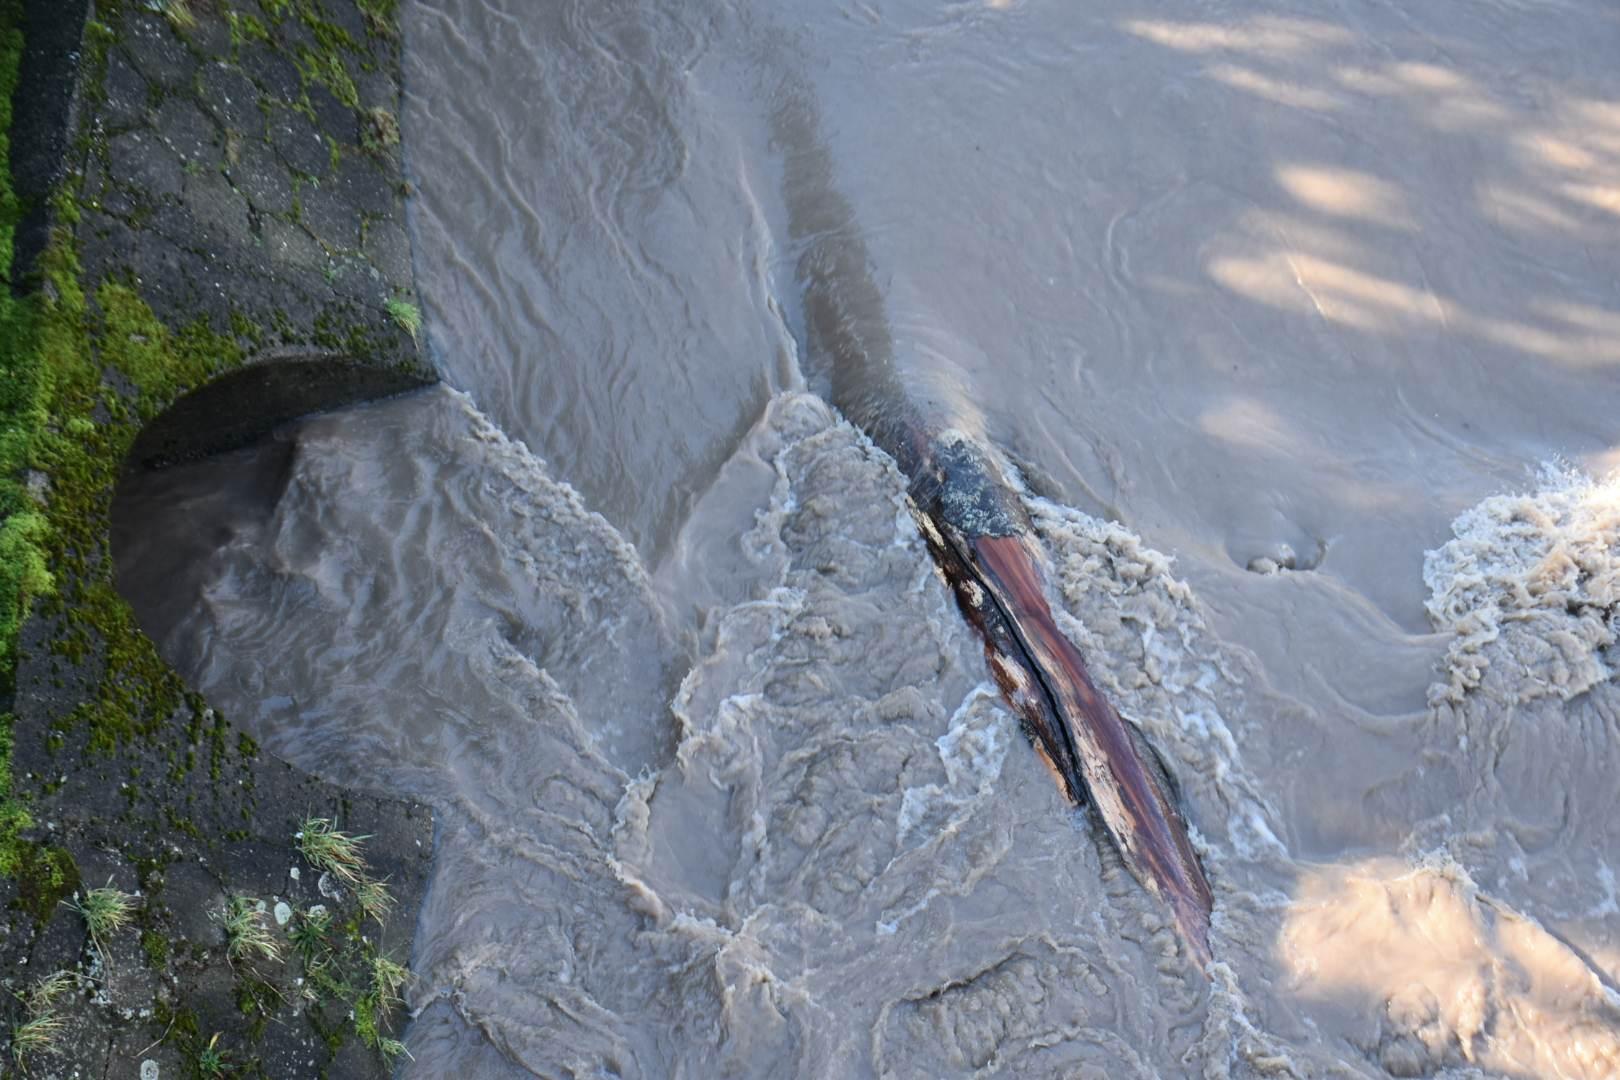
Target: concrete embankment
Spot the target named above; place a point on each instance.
(204, 233)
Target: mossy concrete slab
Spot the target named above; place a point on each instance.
(217, 245)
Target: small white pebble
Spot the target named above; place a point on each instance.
(283, 913)
(149, 1070)
(293, 873)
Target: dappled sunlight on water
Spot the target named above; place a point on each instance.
(1266, 35)
(1347, 193)
(1279, 89)
(1303, 283)
(1450, 975)
(1572, 335)
(1538, 165)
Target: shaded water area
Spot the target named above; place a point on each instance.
(1296, 298)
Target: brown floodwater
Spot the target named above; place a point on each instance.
(1302, 324)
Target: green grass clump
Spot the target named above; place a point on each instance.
(178, 12)
(370, 982)
(375, 899)
(105, 910)
(44, 1025)
(385, 979)
(391, 1049)
(407, 315)
(247, 935)
(379, 131)
(308, 937)
(380, 17)
(337, 853)
(36, 1035)
(388, 978)
(212, 1061)
(246, 29)
(327, 68)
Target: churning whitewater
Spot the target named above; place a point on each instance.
(828, 850)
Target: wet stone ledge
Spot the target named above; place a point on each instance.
(211, 241)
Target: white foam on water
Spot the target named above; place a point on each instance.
(1535, 574)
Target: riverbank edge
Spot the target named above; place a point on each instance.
(205, 238)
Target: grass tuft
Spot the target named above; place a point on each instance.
(247, 935)
(44, 1026)
(36, 1035)
(370, 982)
(375, 899)
(105, 911)
(178, 12)
(49, 990)
(211, 1060)
(334, 852)
(407, 315)
(380, 17)
(388, 978)
(380, 131)
(308, 936)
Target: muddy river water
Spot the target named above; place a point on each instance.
(1303, 323)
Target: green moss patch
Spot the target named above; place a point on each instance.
(329, 55)
(79, 376)
(23, 529)
(45, 876)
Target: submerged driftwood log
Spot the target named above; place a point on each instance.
(977, 530)
(982, 541)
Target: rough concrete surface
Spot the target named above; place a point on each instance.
(233, 166)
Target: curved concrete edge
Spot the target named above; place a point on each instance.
(216, 237)
(244, 404)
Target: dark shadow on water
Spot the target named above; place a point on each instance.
(167, 524)
(244, 405)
